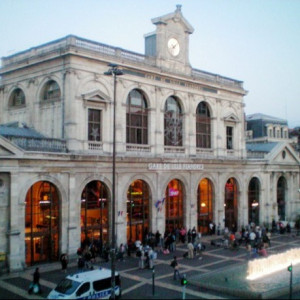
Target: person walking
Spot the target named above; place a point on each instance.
(64, 262)
(151, 258)
(174, 265)
(35, 285)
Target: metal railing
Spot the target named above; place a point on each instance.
(65, 43)
(38, 144)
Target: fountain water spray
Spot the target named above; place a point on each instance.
(276, 262)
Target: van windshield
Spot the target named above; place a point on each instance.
(67, 286)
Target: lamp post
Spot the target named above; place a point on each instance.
(113, 71)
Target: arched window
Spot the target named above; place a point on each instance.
(173, 123)
(51, 91)
(17, 98)
(136, 118)
(203, 126)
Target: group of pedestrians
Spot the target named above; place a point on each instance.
(146, 256)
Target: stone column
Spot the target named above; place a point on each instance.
(71, 210)
(220, 197)
(161, 211)
(243, 208)
(191, 125)
(16, 259)
(159, 123)
(273, 197)
(192, 201)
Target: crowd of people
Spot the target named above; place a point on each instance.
(256, 239)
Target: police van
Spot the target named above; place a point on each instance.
(95, 284)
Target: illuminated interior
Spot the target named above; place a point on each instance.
(94, 213)
(41, 223)
(174, 205)
(230, 204)
(253, 201)
(137, 214)
(204, 205)
(281, 190)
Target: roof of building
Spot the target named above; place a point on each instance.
(259, 116)
(19, 129)
(261, 147)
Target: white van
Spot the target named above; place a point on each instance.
(95, 284)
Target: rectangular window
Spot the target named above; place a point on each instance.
(270, 132)
(94, 125)
(229, 138)
(101, 285)
(203, 132)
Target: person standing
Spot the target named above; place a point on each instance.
(64, 262)
(80, 263)
(190, 250)
(121, 252)
(141, 255)
(174, 265)
(194, 235)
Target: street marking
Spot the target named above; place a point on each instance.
(46, 283)
(20, 292)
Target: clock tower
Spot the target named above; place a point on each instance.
(169, 43)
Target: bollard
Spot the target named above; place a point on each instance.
(183, 283)
(290, 269)
(153, 283)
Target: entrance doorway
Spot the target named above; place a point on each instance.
(41, 223)
(204, 205)
(94, 214)
(231, 209)
(281, 188)
(137, 211)
(174, 205)
(253, 201)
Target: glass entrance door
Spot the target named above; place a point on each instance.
(41, 223)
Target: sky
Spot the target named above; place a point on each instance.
(254, 41)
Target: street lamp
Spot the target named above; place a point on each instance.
(113, 71)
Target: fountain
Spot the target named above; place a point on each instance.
(272, 264)
(260, 278)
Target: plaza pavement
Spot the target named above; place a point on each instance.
(137, 284)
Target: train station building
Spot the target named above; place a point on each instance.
(182, 156)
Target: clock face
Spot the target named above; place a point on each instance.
(173, 46)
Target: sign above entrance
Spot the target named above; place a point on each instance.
(179, 166)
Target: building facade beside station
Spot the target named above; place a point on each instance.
(181, 156)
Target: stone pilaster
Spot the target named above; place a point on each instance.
(16, 255)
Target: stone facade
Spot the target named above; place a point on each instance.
(77, 66)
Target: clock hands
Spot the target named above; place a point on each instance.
(173, 46)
